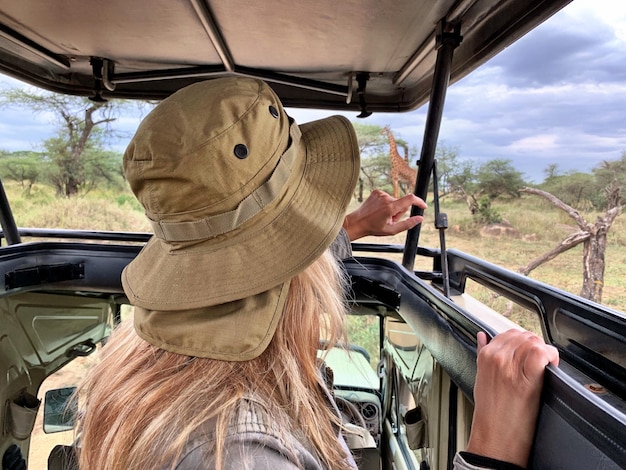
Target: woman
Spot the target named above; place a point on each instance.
(234, 291)
(204, 413)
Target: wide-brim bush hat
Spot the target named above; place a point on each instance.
(241, 199)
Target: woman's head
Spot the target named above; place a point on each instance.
(233, 291)
(157, 399)
(241, 200)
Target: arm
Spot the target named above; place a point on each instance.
(509, 379)
(380, 214)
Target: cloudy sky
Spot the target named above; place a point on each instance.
(557, 96)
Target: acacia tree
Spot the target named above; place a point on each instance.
(375, 161)
(71, 171)
(577, 189)
(479, 185)
(23, 166)
(593, 236)
(448, 166)
(371, 144)
(82, 126)
(498, 178)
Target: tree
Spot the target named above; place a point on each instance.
(576, 189)
(499, 178)
(592, 236)
(462, 184)
(480, 185)
(447, 167)
(25, 167)
(76, 152)
(70, 175)
(551, 171)
(585, 191)
(599, 190)
(608, 173)
(375, 163)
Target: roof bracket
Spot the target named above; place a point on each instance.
(361, 79)
(448, 33)
(350, 89)
(108, 69)
(102, 70)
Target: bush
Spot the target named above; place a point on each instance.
(486, 214)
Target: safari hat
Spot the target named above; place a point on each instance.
(241, 199)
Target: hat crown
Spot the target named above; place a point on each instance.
(205, 148)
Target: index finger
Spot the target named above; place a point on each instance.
(407, 201)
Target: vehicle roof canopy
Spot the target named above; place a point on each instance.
(316, 54)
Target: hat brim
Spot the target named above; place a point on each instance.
(266, 251)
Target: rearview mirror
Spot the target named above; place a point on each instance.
(59, 411)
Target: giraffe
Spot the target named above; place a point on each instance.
(401, 172)
(405, 146)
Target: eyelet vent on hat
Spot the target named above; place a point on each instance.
(274, 112)
(240, 151)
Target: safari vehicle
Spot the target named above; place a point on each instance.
(62, 291)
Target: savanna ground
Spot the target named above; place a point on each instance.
(539, 224)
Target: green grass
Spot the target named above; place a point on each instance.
(97, 210)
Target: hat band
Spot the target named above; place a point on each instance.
(254, 203)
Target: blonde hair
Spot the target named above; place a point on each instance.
(136, 413)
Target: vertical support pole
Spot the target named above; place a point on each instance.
(446, 43)
(9, 228)
(453, 398)
(441, 224)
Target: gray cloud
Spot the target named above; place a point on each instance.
(556, 96)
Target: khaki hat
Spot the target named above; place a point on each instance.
(241, 199)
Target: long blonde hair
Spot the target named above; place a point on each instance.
(140, 404)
